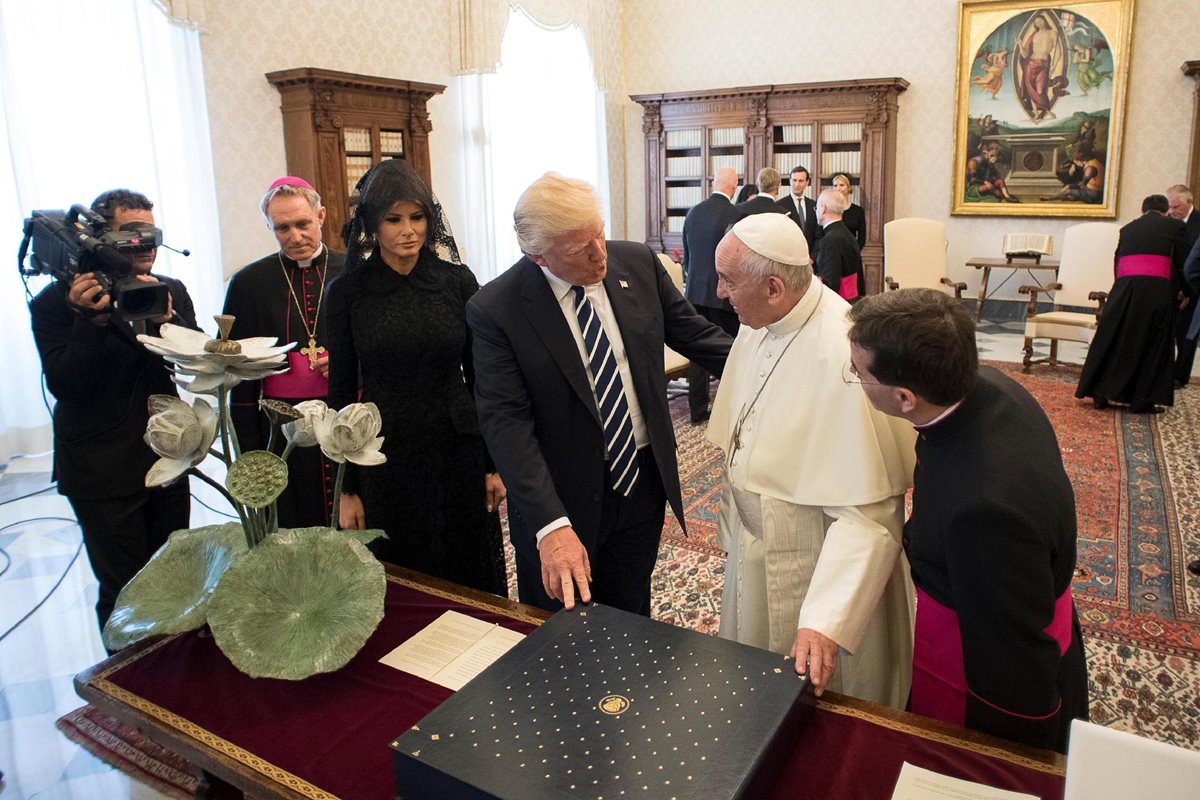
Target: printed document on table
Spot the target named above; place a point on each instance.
(922, 784)
(452, 649)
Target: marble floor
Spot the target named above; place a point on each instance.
(48, 631)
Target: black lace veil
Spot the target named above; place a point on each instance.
(385, 184)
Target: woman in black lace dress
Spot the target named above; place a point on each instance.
(398, 334)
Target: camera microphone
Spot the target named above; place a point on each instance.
(183, 252)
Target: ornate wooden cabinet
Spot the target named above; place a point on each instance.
(830, 127)
(336, 125)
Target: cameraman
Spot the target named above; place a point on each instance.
(102, 377)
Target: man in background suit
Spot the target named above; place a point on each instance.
(838, 264)
(1179, 206)
(801, 209)
(703, 228)
(764, 202)
(576, 326)
(102, 377)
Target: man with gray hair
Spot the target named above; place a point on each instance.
(1179, 206)
(812, 500)
(839, 264)
(764, 202)
(281, 295)
(572, 398)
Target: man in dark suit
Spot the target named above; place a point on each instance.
(801, 209)
(576, 326)
(1179, 200)
(764, 202)
(703, 228)
(102, 378)
(838, 264)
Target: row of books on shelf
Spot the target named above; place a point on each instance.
(848, 161)
(688, 138)
(358, 140)
(841, 131)
(685, 166)
(786, 162)
(794, 134)
(727, 137)
(737, 163)
(683, 196)
(675, 224)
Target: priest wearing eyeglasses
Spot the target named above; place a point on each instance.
(282, 295)
(812, 501)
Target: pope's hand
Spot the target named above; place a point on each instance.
(817, 655)
(565, 566)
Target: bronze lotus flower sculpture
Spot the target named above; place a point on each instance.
(280, 603)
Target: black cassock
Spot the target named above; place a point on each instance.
(264, 304)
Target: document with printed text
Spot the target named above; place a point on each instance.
(452, 649)
(922, 784)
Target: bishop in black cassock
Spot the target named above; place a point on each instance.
(281, 297)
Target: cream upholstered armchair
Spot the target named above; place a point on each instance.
(676, 365)
(914, 255)
(1085, 274)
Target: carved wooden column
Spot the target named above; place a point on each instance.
(1192, 68)
(652, 128)
(758, 130)
(879, 159)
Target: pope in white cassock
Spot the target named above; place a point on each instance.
(812, 501)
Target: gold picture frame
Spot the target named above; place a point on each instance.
(1041, 107)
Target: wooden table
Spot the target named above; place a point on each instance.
(168, 689)
(988, 264)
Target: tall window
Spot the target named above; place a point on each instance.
(540, 112)
(96, 96)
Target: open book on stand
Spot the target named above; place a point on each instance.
(1028, 245)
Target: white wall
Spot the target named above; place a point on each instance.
(681, 45)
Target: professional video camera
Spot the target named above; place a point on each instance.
(75, 241)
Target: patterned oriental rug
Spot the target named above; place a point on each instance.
(1137, 491)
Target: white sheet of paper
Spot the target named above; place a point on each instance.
(452, 649)
(916, 783)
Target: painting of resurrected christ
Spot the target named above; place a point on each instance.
(1041, 91)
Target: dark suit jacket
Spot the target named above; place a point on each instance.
(1192, 223)
(812, 231)
(1191, 271)
(534, 399)
(838, 257)
(761, 204)
(102, 378)
(703, 228)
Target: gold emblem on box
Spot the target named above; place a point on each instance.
(614, 704)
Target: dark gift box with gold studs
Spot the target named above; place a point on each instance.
(598, 703)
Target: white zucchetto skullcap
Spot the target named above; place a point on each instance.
(774, 236)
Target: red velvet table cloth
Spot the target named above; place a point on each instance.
(327, 736)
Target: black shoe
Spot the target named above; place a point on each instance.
(1100, 403)
(1145, 408)
(1194, 567)
(1181, 384)
(701, 417)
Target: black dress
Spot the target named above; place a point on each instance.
(1131, 356)
(404, 340)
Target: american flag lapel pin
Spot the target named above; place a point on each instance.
(624, 284)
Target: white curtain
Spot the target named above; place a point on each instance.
(96, 96)
(540, 111)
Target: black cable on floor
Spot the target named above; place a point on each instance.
(57, 583)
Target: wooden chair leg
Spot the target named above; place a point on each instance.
(1028, 360)
(1054, 352)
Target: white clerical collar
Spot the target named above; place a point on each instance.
(800, 314)
(939, 417)
(308, 262)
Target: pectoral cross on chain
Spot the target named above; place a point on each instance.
(312, 351)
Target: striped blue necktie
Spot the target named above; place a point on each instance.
(610, 396)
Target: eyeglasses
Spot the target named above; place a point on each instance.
(850, 375)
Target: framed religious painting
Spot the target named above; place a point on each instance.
(1041, 107)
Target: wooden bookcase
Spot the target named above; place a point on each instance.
(834, 126)
(337, 125)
